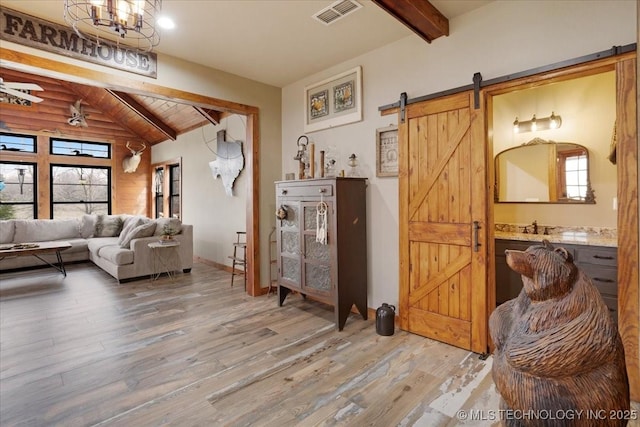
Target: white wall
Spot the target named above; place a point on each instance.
(205, 201)
(500, 38)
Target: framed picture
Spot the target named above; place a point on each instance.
(387, 151)
(333, 102)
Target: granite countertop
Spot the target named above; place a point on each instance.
(588, 236)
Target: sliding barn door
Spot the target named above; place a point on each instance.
(443, 219)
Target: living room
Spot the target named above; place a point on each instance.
(476, 44)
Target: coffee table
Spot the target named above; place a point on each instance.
(37, 249)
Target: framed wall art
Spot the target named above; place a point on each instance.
(387, 151)
(333, 102)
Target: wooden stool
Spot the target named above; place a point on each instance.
(239, 259)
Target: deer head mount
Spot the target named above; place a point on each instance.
(130, 163)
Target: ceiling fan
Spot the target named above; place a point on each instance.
(15, 89)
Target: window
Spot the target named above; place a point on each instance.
(79, 190)
(167, 185)
(18, 190)
(15, 142)
(174, 191)
(80, 148)
(573, 175)
(158, 194)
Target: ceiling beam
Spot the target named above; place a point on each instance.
(419, 15)
(212, 116)
(139, 109)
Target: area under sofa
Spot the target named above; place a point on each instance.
(118, 244)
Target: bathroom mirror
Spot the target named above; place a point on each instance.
(543, 171)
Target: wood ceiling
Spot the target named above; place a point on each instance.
(111, 115)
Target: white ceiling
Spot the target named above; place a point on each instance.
(276, 42)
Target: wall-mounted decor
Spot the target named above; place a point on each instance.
(229, 163)
(387, 151)
(40, 34)
(334, 102)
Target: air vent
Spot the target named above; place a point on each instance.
(336, 11)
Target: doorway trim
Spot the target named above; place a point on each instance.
(48, 67)
(628, 222)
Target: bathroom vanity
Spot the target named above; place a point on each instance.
(596, 255)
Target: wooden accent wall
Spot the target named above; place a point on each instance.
(48, 119)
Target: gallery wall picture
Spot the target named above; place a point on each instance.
(387, 151)
(333, 102)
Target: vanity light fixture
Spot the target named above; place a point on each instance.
(535, 124)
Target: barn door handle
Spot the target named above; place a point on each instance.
(476, 228)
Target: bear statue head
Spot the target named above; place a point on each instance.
(547, 272)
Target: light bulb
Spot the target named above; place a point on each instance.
(534, 125)
(554, 121)
(516, 126)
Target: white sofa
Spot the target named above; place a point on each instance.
(118, 244)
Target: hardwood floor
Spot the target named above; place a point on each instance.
(86, 351)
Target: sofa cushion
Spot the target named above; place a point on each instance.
(174, 223)
(42, 230)
(109, 249)
(108, 226)
(88, 225)
(7, 230)
(77, 245)
(97, 243)
(145, 229)
(116, 254)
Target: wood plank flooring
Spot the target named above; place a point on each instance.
(86, 351)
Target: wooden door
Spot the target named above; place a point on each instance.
(443, 221)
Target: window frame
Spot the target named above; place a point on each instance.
(34, 201)
(33, 138)
(53, 140)
(53, 203)
(167, 191)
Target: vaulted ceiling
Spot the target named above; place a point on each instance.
(109, 114)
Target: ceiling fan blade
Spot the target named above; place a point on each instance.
(23, 86)
(19, 94)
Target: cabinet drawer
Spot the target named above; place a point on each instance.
(598, 256)
(305, 190)
(604, 278)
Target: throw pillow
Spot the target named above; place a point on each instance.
(144, 230)
(108, 226)
(174, 223)
(7, 230)
(129, 224)
(88, 226)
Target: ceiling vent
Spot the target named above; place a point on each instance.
(336, 11)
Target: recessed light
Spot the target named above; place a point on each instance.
(166, 23)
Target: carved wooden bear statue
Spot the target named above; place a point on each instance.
(557, 350)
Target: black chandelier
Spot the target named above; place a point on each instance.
(133, 20)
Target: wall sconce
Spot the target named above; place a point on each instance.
(21, 172)
(535, 124)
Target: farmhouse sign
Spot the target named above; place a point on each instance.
(34, 32)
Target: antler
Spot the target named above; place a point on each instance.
(134, 152)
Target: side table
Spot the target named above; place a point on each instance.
(165, 258)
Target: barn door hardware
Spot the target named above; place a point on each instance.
(476, 228)
(403, 106)
(477, 79)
